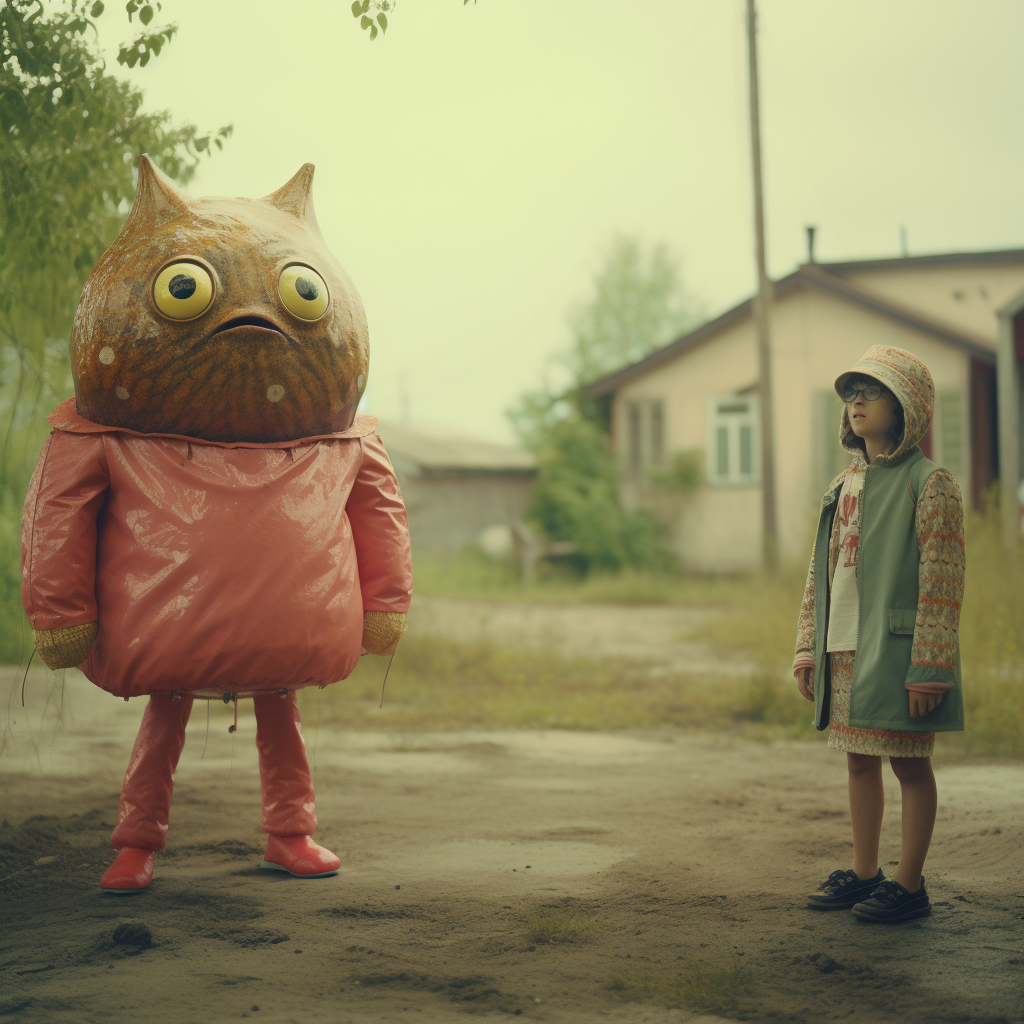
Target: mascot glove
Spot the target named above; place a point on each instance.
(66, 646)
(382, 631)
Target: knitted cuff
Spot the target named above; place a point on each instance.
(65, 646)
(382, 631)
(928, 687)
(803, 659)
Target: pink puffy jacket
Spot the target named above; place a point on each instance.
(236, 567)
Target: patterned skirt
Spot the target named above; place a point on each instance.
(881, 742)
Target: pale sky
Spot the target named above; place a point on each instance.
(474, 164)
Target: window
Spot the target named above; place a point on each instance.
(645, 434)
(733, 441)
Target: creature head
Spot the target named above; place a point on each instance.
(222, 319)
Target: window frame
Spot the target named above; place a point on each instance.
(734, 423)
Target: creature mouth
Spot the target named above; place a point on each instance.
(248, 321)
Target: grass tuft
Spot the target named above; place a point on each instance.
(565, 928)
(709, 990)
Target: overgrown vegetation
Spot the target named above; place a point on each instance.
(638, 304)
(70, 134)
(438, 684)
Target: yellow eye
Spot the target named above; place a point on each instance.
(182, 290)
(303, 291)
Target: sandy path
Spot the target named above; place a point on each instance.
(667, 639)
(687, 852)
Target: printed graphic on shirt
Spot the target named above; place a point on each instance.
(849, 520)
(844, 611)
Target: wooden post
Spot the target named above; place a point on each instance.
(762, 308)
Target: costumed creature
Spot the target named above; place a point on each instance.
(209, 518)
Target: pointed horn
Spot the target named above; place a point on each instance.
(296, 197)
(157, 198)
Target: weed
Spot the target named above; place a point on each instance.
(560, 928)
(707, 989)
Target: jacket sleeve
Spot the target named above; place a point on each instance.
(58, 534)
(940, 541)
(381, 532)
(805, 623)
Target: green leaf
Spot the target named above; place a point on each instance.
(382, 20)
(202, 144)
(357, 8)
(373, 31)
(365, 22)
(144, 59)
(146, 14)
(365, 6)
(97, 9)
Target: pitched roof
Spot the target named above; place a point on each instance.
(435, 454)
(933, 260)
(825, 277)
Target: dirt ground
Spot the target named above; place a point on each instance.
(671, 865)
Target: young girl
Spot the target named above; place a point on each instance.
(877, 647)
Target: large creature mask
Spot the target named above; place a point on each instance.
(222, 319)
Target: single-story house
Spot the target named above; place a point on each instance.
(457, 487)
(699, 394)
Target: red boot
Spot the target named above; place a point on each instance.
(131, 872)
(299, 856)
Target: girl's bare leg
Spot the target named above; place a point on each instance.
(919, 802)
(867, 802)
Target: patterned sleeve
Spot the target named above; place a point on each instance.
(940, 541)
(805, 623)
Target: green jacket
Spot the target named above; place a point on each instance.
(899, 500)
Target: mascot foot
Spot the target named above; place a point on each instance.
(299, 856)
(131, 872)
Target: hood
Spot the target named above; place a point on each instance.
(909, 380)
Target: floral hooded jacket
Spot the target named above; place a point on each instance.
(938, 524)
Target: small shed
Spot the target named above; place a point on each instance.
(457, 487)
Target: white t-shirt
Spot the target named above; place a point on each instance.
(844, 603)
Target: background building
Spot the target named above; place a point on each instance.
(699, 394)
(456, 488)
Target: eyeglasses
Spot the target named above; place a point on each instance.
(871, 393)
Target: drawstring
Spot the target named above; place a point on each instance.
(234, 728)
(30, 657)
(385, 683)
(189, 446)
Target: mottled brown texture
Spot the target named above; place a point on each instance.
(65, 646)
(134, 367)
(382, 631)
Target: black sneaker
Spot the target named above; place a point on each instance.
(892, 902)
(843, 889)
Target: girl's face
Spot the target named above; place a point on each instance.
(870, 418)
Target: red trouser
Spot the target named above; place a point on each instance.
(287, 787)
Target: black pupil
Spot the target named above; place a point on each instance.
(306, 288)
(182, 286)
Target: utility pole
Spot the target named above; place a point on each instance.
(762, 307)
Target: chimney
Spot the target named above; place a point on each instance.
(811, 228)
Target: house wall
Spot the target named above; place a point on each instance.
(715, 529)
(815, 337)
(966, 294)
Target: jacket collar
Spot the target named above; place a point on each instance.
(65, 417)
